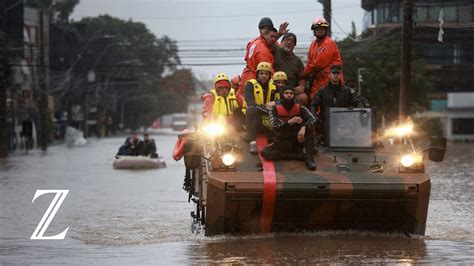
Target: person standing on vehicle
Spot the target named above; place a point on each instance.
(260, 49)
(288, 62)
(260, 96)
(323, 53)
(292, 125)
(334, 94)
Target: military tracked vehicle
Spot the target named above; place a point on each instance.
(365, 180)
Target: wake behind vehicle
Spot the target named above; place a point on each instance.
(364, 181)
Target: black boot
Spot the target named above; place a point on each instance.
(310, 164)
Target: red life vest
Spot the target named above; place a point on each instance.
(284, 115)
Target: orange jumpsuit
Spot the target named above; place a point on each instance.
(258, 50)
(322, 54)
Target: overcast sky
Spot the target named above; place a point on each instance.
(222, 24)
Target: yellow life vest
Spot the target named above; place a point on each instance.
(272, 94)
(224, 106)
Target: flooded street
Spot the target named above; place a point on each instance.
(143, 216)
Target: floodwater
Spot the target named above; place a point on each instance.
(130, 217)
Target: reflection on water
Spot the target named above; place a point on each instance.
(314, 248)
(143, 216)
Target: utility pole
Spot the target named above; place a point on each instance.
(405, 76)
(327, 13)
(43, 89)
(3, 80)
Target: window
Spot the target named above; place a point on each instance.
(439, 53)
(463, 126)
(389, 13)
(433, 13)
(439, 105)
(456, 54)
(450, 13)
(421, 14)
(467, 54)
(465, 13)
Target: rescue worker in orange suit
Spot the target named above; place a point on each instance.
(260, 49)
(323, 53)
(235, 82)
(260, 96)
(292, 125)
(221, 102)
(334, 94)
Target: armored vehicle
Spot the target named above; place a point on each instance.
(365, 180)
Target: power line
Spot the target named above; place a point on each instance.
(229, 16)
(14, 5)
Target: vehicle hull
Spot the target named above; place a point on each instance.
(326, 199)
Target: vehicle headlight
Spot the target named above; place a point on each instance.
(407, 160)
(228, 159)
(412, 163)
(214, 130)
(401, 130)
(404, 130)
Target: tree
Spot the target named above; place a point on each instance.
(379, 56)
(132, 58)
(60, 9)
(176, 87)
(353, 33)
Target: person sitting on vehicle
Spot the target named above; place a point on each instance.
(147, 146)
(235, 82)
(221, 102)
(292, 125)
(280, 79)
(288, 62)
(260, 96)
(334, 94)
(131, 146)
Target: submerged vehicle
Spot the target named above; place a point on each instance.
(138, 162)
(365, 180)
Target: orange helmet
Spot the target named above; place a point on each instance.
(319, 22)
(236, 80)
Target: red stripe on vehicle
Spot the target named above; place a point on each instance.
(269, 188)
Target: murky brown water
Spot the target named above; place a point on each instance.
(143, 217)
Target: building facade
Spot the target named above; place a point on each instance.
(27, 37)
(443, 36)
